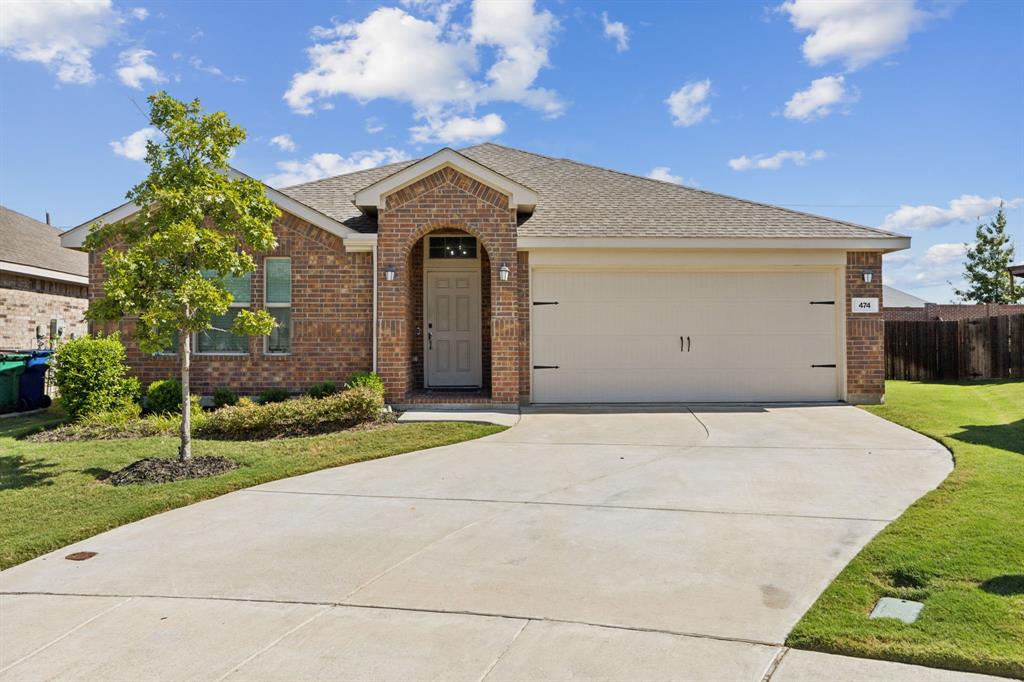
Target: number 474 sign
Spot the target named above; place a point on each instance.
(865, 305)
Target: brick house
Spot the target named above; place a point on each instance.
(43, 286)
(495, 275)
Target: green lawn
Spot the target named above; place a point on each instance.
(960, 549)
(51, 494)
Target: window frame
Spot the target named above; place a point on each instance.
(267, 305)
(229, 353)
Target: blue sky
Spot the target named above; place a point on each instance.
(897, 114)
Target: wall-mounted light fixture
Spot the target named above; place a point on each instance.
(389, 273)
(503, 272)
(868, 276)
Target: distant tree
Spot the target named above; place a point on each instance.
(195, 228)
(985, 268)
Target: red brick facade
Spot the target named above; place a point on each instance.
(951, 312)
(27, 304)
(331, 321)
(865, 332)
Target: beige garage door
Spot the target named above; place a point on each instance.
(603, 336)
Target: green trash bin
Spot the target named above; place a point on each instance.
(11, 368)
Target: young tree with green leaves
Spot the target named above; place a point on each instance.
(166, 265)
(988, 280)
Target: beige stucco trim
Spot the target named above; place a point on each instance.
(373, 197)
(883, 244)
(42, 273)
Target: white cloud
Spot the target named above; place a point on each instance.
(688, 104)
(432, 66)
(775, 161)
(283, 142)
(139, 13)
(373, 125)
(855, 32)
(459, 129)
(664, 173)
(133, 68)
(617, 31)
(60, 35)
(967, 208)
(937, 265)
(325, 165)
(213, 70)
(134, 146)
(818, 100)
(943, 254)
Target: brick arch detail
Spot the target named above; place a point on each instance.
(446, 199)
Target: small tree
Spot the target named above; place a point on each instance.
(988, 280)
(166, 264)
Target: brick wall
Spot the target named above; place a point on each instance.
(445, 199)
(29, 302)
(865, 332)
(331, 321)
(952, 312)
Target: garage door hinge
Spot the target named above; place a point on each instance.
(545, 366)
(545, 302)
(823, 302)
(822, 365)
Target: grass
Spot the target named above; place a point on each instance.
(959, 549)
(52, 494)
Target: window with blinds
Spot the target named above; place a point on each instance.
(219, 339)
(277, 299)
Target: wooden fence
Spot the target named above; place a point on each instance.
(982, 348)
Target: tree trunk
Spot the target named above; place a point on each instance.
(185, 351)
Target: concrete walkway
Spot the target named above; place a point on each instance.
(628, 544)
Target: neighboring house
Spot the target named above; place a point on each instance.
(494, 275)
(43, 286)
(899, 305)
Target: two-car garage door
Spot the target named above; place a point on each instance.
(663, 336)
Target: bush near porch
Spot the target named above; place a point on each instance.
(959, 549)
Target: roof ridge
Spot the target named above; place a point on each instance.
(343, 175)
(693, 189)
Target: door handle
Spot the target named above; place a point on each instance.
(682, 345)
(687, 344)
(430, 340)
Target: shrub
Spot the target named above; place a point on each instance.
(164, 396)
(91, 376)
(224, 397)
(298, 417)
(322, 390)
(123, 422)
(369, 380)
(273, 395)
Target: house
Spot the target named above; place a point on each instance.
(43, 286)
(498, 276)
(899, 305)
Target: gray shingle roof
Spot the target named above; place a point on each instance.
(580, 200)
(27, 241)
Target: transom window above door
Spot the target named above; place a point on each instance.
(452, 247)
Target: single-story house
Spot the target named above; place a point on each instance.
(44, 287)
(495, 275)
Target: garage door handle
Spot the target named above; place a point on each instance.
(684, 344)
(687, 344)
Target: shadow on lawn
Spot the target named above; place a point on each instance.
(16, 472)
(1008, 437)
(1006, 585)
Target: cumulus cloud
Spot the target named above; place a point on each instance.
(616, 31)
(133, 68)
(688, 105)
(937, 265)
(430, 65)
(134, 146)
(966, 208)
(855, 32)
(139, 13)
(664, 173)
(819, 99)
(325, 165)
(60, 35)
(775, 161)
(943, 254)
(283, 142)
(459, 129)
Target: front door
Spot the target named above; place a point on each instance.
(452, 324)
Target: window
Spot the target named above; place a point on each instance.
(452, 247)
(277, 297)
(219, 340)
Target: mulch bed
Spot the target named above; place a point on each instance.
(163, 470)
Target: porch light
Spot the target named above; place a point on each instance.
(503, 272)
(389, 273)
(868, 276)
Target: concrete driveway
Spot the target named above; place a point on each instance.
(592, 544)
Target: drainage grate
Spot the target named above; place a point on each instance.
(900, 609)
(80, 556)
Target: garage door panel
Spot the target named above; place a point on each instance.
(615, 336)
